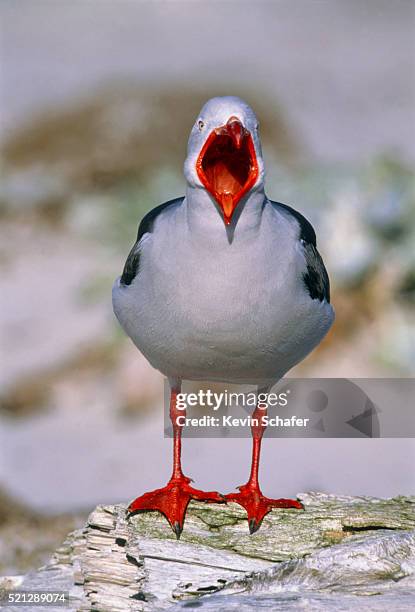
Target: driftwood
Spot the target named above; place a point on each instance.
(338, 547)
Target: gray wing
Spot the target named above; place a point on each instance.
(315, 277)
(132, 264)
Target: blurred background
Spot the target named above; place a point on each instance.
(97, 100)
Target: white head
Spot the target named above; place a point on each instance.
(224, 154)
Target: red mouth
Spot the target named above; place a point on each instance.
(227, 165)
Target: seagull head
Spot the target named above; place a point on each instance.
(224, 154)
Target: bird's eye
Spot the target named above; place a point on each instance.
(200, 124)
(257, 126)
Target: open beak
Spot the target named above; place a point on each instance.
(227, 165)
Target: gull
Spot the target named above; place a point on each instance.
(222, 284)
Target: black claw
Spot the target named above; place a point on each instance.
(129, 513)
(253, 526)
(177, 528)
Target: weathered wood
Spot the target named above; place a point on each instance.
(337, 544)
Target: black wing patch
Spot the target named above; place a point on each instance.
(146, 226)
(131, 266)
(315, 278)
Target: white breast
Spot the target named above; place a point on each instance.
(203, 309)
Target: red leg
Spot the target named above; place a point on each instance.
(250, 496)
(173, 499)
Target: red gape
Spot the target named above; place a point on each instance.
(227, 165)
(173, 499)
(250, 496)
